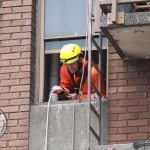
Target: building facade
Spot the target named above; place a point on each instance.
(128, 82)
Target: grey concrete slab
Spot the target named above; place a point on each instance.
(66, 129)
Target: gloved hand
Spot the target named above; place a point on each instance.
(56, 89)
(72, 96)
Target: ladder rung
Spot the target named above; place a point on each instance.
(95, 112)
(95, 134)
(97, 92)
(95, 66)
(96, 45)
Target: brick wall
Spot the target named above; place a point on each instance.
(17, 51)
(129, 99)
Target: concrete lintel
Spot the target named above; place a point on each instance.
(130, 19)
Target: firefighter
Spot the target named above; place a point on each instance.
(71, 72)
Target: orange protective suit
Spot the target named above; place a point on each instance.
(66, 81)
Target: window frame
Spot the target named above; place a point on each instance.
(40, 54)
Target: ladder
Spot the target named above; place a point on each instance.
(90, 84)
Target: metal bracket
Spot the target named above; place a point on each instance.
(119, 18)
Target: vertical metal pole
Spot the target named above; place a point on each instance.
(100, 84)
(89, 70)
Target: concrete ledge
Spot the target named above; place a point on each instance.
(62, 124)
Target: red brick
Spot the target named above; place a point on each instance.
(22, 9)
(20, 88)
(112, 90)
(21, 35)
(4, 37)
(10, 56)
(117, 123)
(21, 48)
(24, 122)
(135, 68)
(21, 115)
(11, 3)
(10, 30)
(4, 76)
(18, 143)
(144, 101)
(12, 123)
(5, 10)
(113, 63)
(142, 122)
(20, 75)
(137, 95)
(137, 81)
(9, 95)
(18, 129)
(4, 50)
(113, 103)
(23, 136)
(25, 94)
(4, 89)
(11, 148)
(21, 22)
(144, 88)
(9, 82)
(144, 115)
(19, 101)
(127, 89)
(11, 16)
(131, 102)
(10, 42)
(27, 15)
(127, 75)
(117, 82)
(117, 96)
(112, 76)
(26, 55)
(26, 68)
(20, 62)
(7, 137)
(24, 108)
(3, 144)
(25, 81)
(118, 137)
(112, 131)
(23, 148)
(137, 108)
(144, 62)
(127, 62)
(26, 29)
(10, 109)
(117, 110)
(144, 74)
(128, 130)
(27, 2)
(9, 69)
(144, 129)
(137, 136)
(117, 69)
(4, 103)
(25, 41)
(4, 23)
(128, 116)
(4, 63)
(112, 117)
(113, 56)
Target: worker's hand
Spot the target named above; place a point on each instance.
(72, 96)
(56, 89)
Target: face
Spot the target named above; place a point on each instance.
(73, 67)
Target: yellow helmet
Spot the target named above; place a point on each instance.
(70, 53)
